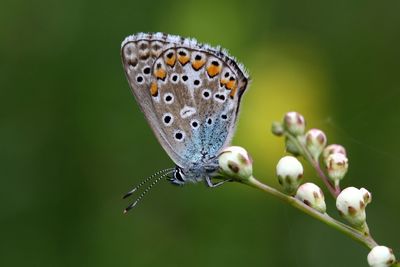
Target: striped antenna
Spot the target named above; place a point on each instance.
(131, 206)
(144, 181)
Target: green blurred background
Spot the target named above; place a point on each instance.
(73, 140)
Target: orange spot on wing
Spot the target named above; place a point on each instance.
(154, 89)
(230, 84)
(233, 91)
(224, 81)
(183, 59)
(197, 64)
(160, 73)
(213, 70)
(170, 59)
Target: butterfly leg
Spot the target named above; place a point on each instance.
(211, 184)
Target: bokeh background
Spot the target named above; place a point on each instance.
(72, 139)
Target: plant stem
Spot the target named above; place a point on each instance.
(315, 164)
(362, 238)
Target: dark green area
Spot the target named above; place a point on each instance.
(72, 139)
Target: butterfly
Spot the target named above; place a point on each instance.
(190, 94)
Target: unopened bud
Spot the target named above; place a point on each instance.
(337, 166)
(311, 195)
(351, 204)
(277, 128)
(235, 162)
(381, 256)
(294, 123)
(289, 171)
(332, 149)
(367, 195)
(315, 142)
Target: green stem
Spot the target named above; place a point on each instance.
(362, 238)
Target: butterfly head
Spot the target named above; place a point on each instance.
(178, 176)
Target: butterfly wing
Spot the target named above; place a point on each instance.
(190, 95)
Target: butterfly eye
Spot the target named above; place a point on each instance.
(168, 119)
(168, 98)
(179, 175)
(196, 82)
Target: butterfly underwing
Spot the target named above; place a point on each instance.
(190, 94)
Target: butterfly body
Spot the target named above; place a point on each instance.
(190, 94)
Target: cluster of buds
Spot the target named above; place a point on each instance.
(312, 145)
(236, 164)
(289, 171)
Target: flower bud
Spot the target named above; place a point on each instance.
(291, 147)
(312, 196)
(315, 142)
(351, 204)
(381, 256)
(332, 149)
(235, 162)
(337, 166)
(294, 123)
(289, 171)
(277, 128)
(367, 195)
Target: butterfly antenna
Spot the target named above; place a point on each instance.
(131, 206)
(144, 181)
